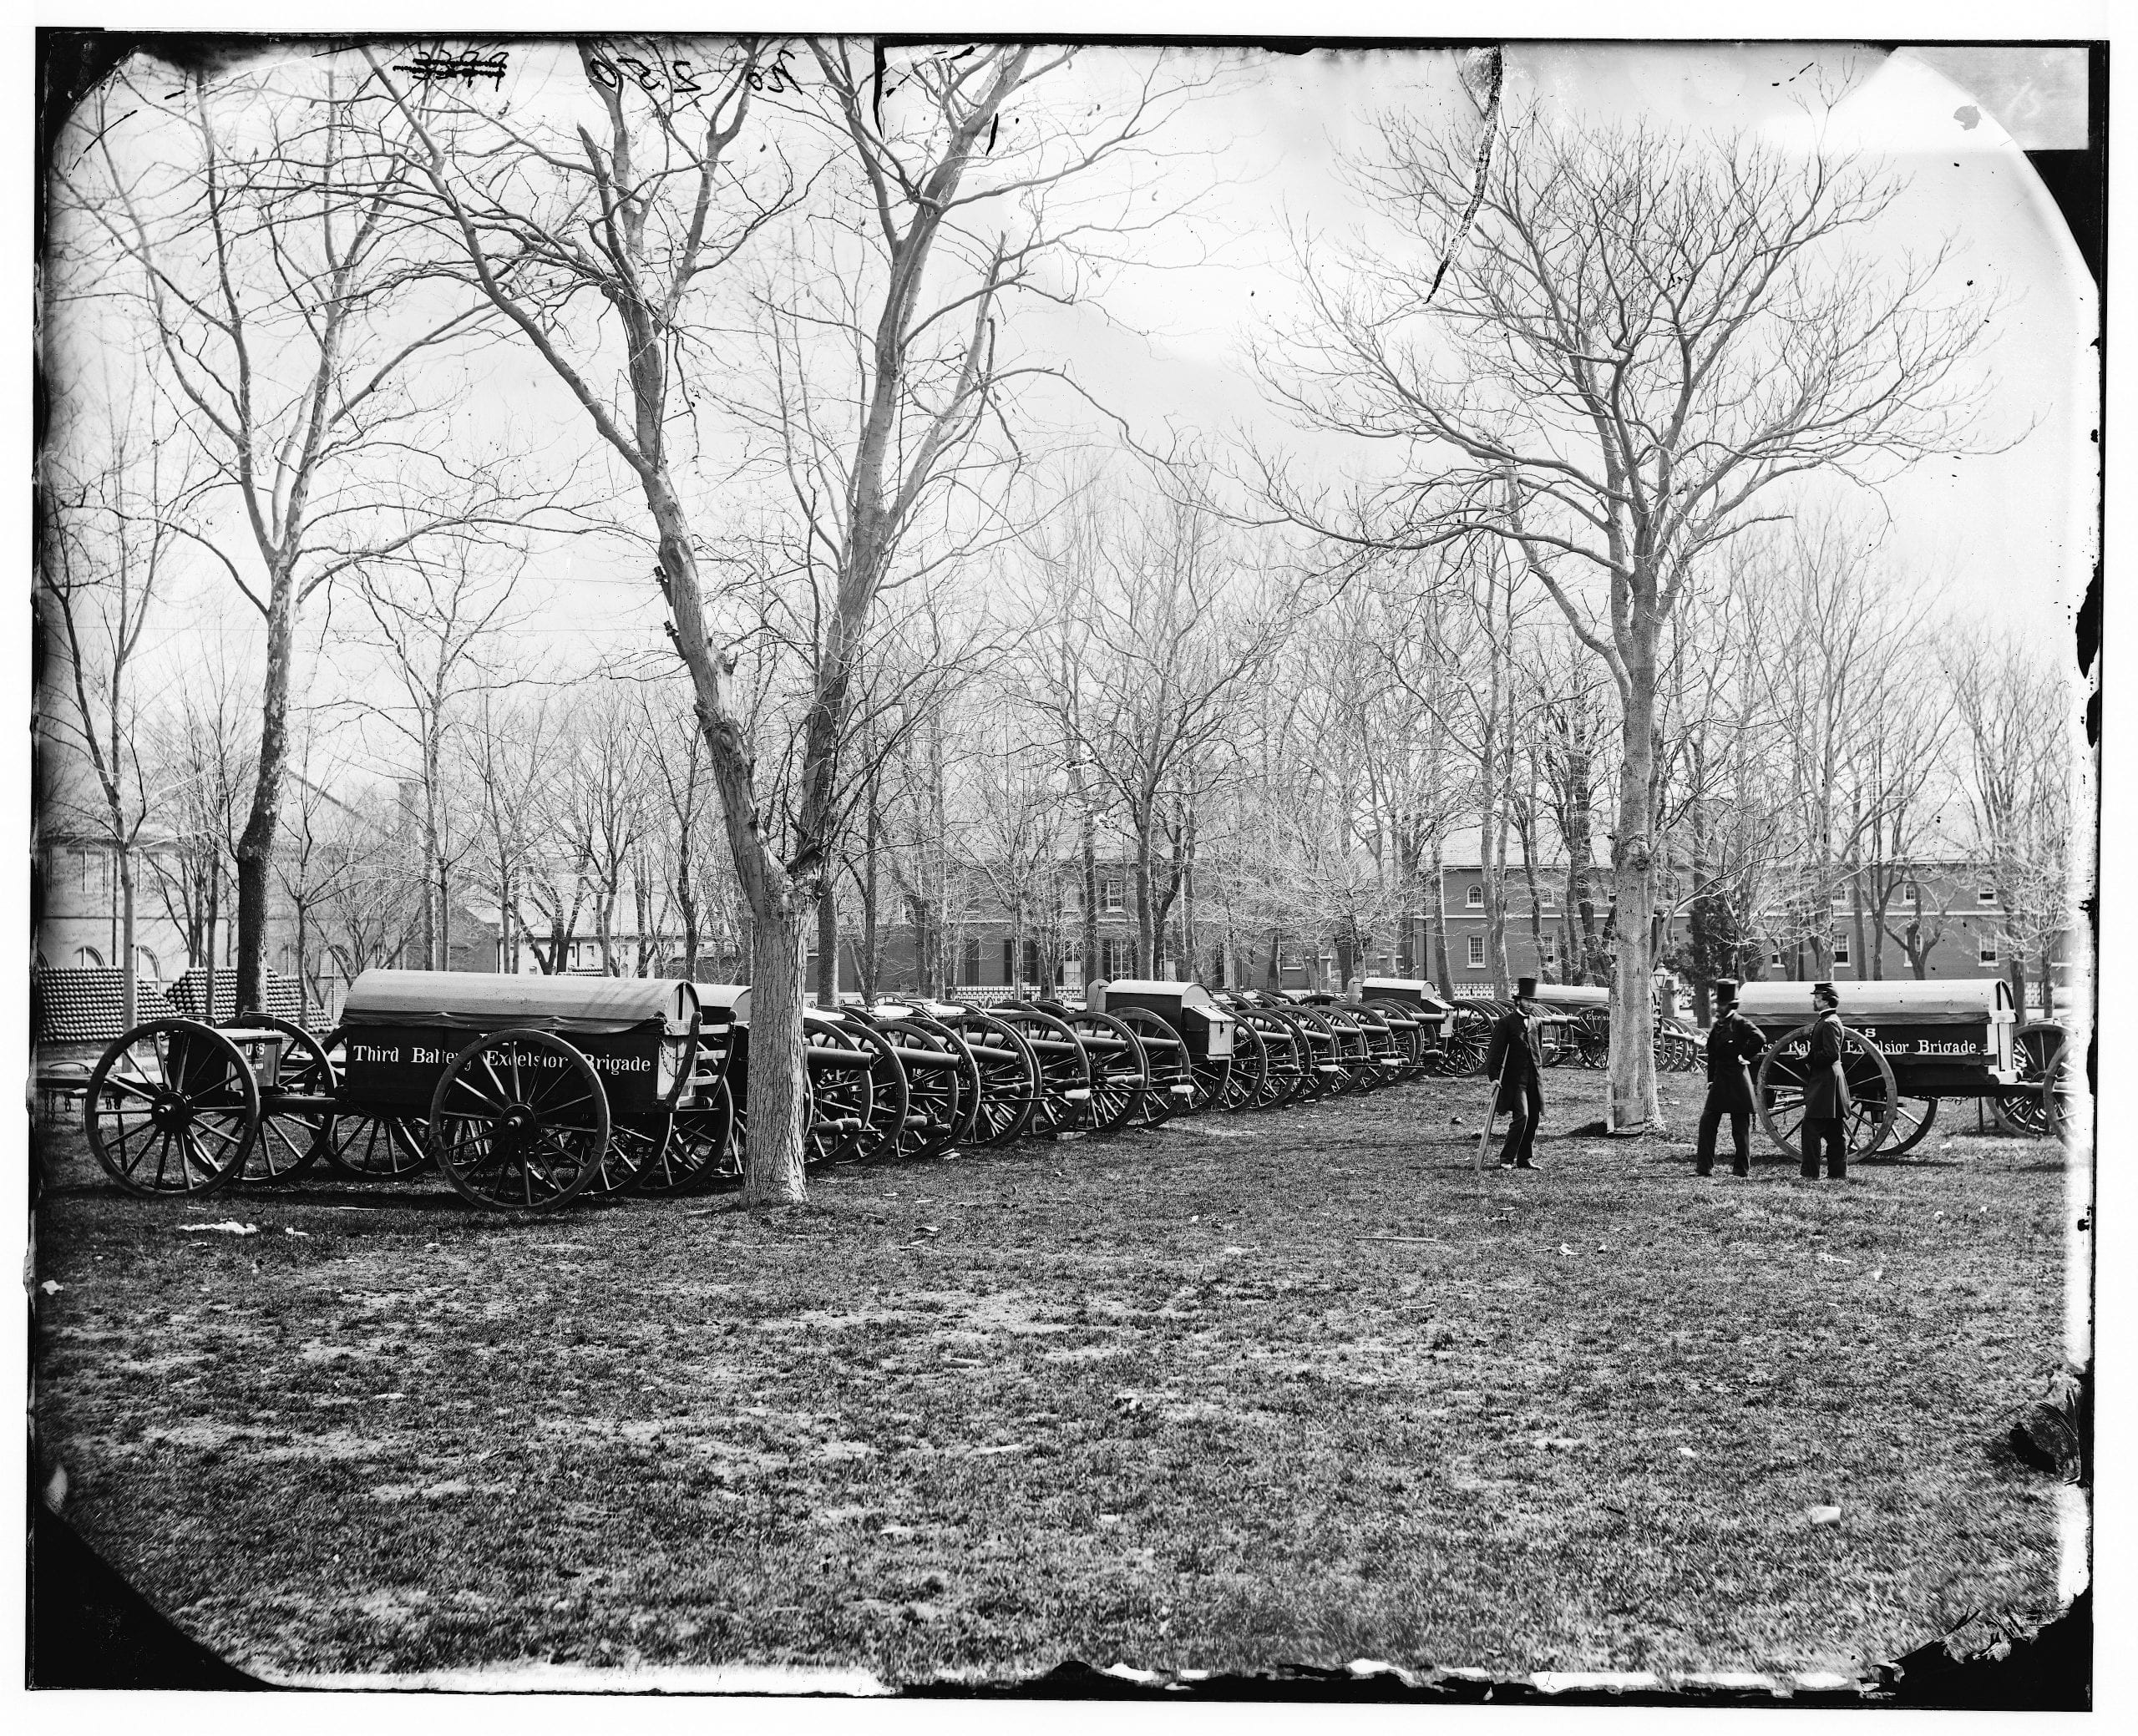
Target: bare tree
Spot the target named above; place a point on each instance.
(436, 620)
(1641, 336)
(255, 210)
(111, 537)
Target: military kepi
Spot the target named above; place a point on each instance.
(1525, 988)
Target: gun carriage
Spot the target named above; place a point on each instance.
(527, 1092)
(1909, 1045)
(1420, 1021)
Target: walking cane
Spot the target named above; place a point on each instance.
(1491, 1114)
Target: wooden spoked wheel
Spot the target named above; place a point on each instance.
(636, 1145)
(291, 1140)
(172, 1107)
(1406, 1034)
(1779, 1088)
(934, 1066)
(520, 1121)
(1065, 1072)
(1464, 1050)
(1284, 1049)
(1326, 1074)
(372, 1147)
(1912, 1119)
(2031, 1107)
(1122, 1069)
(965, 1072)
(1250, 1067)
(1009, 1079)
(698, 1154)
(842, 1092)
(1591, 1038)
(890, 1113)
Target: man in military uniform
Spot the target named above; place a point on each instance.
(1734, 1043)
(1825, 1089)
(1516, 1060)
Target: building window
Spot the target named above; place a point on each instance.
(1987, 952)
(1118, 958)
(1985, 895)
(1475, 899)
(1840, 950)
(1031, 961)
(1113, 892)
(145, 965)
(968, 962)
(88, 957)
(1550, 957)
(1476, 952)
(1914, 894)
(1774, 958)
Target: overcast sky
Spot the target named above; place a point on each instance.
(2001, 535)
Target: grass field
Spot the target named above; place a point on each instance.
(1244, 1392)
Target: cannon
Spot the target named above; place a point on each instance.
(528, 1091)
(855, 1086)
(1911, 1044)
(1414, 1011)
(1187, 1036)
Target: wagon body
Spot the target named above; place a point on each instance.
(1947, 1039)
(404, 1027)
(1204, 1026)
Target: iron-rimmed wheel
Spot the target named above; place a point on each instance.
(1406, 1032)
(1009, 1079)
(969, 1075)
(1780, 1085)
(172, 1107)
(934, 1066)
(886, 1127)
(520, 1121)
(1326, 1074)
(1249, 1070)
(636, 1145)
(1912, 1119)
(2038, 1052)
(372, 1147)
(1065, 1070)
(1467, 1042)
(840, 1080)
(1285, 1077)
(1119, 1070)
(291, 1140)
(698, 1154)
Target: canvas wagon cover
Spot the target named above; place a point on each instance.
(1957, 1000)
(465, 1000)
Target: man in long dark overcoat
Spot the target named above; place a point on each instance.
(1734, 1043)
(1516, 1060)
(1826, 1101)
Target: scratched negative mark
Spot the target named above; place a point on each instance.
(468, 65)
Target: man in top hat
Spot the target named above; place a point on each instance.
(1516, 1060)
(1734, 1043)
(1826, 1101)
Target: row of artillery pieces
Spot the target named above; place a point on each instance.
(527, 1092)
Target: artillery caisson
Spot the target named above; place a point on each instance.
(534, 1089)
(1186, 1035)
(1910, 1044)
(527, 1091)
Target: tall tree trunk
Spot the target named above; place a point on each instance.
(827, 983)
(1633, 1100)
(255, 849)
(1444, 979)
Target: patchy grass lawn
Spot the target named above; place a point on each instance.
(1176, 1399)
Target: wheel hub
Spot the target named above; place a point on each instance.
(171, 1111)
